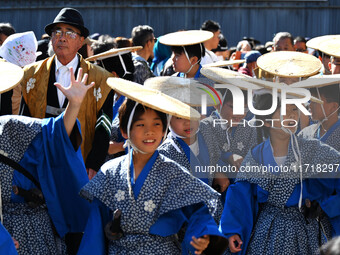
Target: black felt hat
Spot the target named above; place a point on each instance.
(69, 16)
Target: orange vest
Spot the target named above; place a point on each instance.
(34, 91)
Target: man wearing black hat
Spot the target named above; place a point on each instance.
(42, 99)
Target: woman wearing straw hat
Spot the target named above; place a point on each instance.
(36, 204)
(151, 196)
(270, 209)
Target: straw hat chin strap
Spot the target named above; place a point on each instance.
(324, 113)
(296, 152)
(187, 55)
(129, 144)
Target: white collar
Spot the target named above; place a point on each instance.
(73, 63)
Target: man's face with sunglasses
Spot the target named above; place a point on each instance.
(66, 41)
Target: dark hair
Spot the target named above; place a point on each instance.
(141, 35)
(6, 29)
(210, 25)
(196, 50)
(264, 102)
(83, 51)
(228, 96)
(222, 45)
(125, 110)
(331, 93)
(113, 63)
(300, 39)
(123, 42)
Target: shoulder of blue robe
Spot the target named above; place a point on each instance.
(203, 79)
(105, 180)
(61, 174)
(182, 189)
(332, 136)
(243, 137)
(6, 242)
(214, 138)
(17, 133)
(316, 153)
(178, 155)
(308, 132)
(240, 210)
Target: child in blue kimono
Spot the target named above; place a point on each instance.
(41, 174)
(187, 52)
(278, 181)
(240, 137)
(195, 146)
(155, 195)
(327, 130)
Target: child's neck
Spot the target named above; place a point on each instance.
(328, 124)
(193, 71)
(139, 162)
(189, 141)
(280, 146)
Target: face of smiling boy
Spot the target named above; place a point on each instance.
(147, 132)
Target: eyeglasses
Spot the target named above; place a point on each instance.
(68, 34)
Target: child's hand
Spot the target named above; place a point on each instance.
(91, 173)
(235, 243)
(76, 92)
(200, 244)
(115, 147)
(16, 243)
(235, 160)
(222, 181)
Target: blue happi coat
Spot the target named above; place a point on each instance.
(44, 149)
(154, 208)
(262, 207)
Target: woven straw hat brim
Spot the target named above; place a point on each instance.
(289, 64)
(331, 47)
(225, 76)
(225, 63)
(184, 38)
(315, 42)
(11, 75)
(113, 53)
(185, 90)
(153, 98)
(270, 85)
(318, 81)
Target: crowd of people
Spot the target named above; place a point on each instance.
(168, 145)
